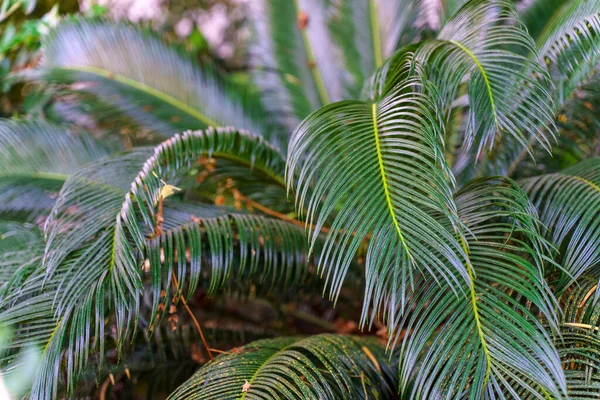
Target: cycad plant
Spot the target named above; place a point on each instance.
(434, 161)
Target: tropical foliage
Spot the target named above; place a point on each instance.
(431, 169)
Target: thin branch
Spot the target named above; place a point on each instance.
(273, 213)
(185, 304)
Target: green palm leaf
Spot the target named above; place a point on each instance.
(508, 93)
(579, 342)
(37, 158)
(323, 366)
(568, 203)
(309, 53)
(485, 345)
(104, 226)
(138, 75)
(569, 46)
(377, 168)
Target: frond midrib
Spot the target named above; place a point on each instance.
(475, 308)
(266, 362)
(51, 176)
(386, 189)
(587, 182)
(377, 51)
(483, 74)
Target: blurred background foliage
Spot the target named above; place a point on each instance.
(215, 30)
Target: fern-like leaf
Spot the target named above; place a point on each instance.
(485, 344)
(378, 165)
(323, 366)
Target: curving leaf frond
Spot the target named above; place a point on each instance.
(485, 344)
(377, 169)
(323, 366)
(116, 221)
(579, 342)
(139, 75)
(570, 45)
(508, 94)
(37, 158)
(568, 203)
(579, 350)
(279, 246)
(309, 53)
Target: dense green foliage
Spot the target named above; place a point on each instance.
(429, 168)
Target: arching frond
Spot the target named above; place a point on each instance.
(308, 53)
(278, 245)
(579, 349)
(579, 342)
(378, 166)
(569, 45)
(36, 159)
(108, 228)
(568, 203)
(508, 93)
(323, 366)
(485, 344)
(139, 75)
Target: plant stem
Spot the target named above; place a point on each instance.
(185, 304)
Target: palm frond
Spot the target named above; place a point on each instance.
(579, 349)
(568, 203)
(278, 246)
(139, 75)
(309, 53)
(508, 93)
(570, 46)
(323, 366)
(37, 158)
(579, 342)
(107, 227)
(379, 166)
(485, 344)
